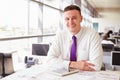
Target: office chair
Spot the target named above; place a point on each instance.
(6, 70)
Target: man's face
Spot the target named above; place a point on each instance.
(72, 21)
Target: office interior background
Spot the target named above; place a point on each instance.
(25, 22)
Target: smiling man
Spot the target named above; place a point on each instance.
(77, 47)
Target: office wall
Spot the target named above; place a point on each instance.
(110, 20)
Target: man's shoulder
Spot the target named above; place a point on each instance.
(89, 29)
(62, 33)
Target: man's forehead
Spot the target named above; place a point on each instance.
(72, 12)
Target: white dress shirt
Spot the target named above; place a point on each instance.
(88, 48)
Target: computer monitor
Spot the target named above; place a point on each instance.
(115, 58)
(108, 47)
(40, 49)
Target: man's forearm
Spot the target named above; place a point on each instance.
(81, 65)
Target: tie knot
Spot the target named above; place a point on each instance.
(73, 37)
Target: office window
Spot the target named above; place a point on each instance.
(34, 18)
(18, 18)
(51, 20)
(13, 17)
(87, 18)
(95, 26)
(66, 3)
(53, 3)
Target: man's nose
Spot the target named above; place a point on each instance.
(70, 21)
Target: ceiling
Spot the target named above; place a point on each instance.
(106, 7)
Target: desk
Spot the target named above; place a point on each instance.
(40, 72)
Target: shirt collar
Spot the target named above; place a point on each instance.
(77, 35)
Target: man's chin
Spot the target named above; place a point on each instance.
(71, 30)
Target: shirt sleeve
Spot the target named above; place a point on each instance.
(96, 52)
(54, 58)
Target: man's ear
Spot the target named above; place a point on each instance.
(81, 18)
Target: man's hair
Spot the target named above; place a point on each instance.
(72, 7)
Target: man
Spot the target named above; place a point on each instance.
(107, 35)
(89, 51)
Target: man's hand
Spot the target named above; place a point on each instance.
(81, 65)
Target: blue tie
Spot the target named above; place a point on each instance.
(73, 50)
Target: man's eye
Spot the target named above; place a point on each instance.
(67, 19)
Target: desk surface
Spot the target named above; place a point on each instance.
(41, 73)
